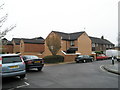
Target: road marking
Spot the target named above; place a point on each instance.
(25, 78)
(26, 84)
(11, 89)
(101, 67)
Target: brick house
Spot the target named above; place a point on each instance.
(78, 42)
(117, 48)
(101, 44)
(33, 46)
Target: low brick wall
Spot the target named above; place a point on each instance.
(69, 58)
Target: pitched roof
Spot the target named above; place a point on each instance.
(38, 38)
(100, 41)
(16, 40)
(33, 41)
(9, 43)
(69, 36)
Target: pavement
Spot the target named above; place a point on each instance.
(113, 68)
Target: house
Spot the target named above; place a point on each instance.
(78, 42)
(31, 46)
(101, 44)
(117, 48)
(28, 46)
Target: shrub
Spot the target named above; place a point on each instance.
(99, 52)
(53, 59)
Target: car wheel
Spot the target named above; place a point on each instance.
(22, 76)
(39, 69)
(91, 60)
(77, 61)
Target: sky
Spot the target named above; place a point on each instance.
(34, 18)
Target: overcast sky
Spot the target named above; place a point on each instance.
(36, 18)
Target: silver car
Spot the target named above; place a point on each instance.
(12, 65)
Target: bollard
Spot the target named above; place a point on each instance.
(112, 60)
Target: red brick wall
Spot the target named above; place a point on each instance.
(34, 48)
(7, 48)
(69, 58)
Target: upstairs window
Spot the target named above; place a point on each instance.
(93, 45)
(72, 43)
(96, 45)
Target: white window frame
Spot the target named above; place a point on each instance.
(93, 44)
(72, 43)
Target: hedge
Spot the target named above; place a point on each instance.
(53, 59)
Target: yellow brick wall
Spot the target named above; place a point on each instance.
(84, 45)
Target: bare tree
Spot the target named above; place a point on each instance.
(2, 21)
(6, 30)
(54, 43)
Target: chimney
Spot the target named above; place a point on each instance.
(102, 37)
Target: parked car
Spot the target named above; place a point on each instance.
(101, 57)
(32, 61)
(12, 65)
(83, 58)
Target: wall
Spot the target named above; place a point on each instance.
(84, 45)
(7, 48)
(34, 48)
(66, 45)
(16, 48)
(22, 46)
(69, 58)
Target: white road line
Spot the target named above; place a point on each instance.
(26, 84)
(11, 89)
(101, 67)
(25, 78)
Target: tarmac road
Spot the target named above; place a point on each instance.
(74, 75)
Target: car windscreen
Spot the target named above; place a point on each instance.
(80, 56)
(86, 56)
(31, 57)
(11, 59)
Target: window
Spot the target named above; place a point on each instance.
(110, 46)
(96, 45)
(93, 45)
(72, 43)
(106, 46)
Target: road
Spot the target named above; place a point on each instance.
(74, 75)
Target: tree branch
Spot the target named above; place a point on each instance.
(3, 19)
(1, 6)
(3, 33)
